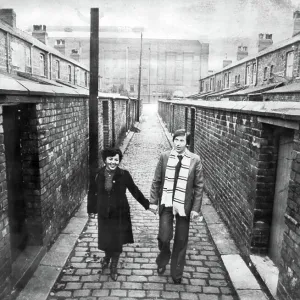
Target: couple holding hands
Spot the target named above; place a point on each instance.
(176, 191)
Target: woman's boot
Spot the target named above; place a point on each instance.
(105, 261)
(114, 267)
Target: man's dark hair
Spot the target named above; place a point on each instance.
(110, 152)
(182, 132)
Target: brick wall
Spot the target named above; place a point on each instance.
(289, 271)
(5, 255)
(62, 130)
(120, 120)
(54, 158)
(3, 51)
(239, 154)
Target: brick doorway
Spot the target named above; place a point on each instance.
(14, 177)
(283, 171)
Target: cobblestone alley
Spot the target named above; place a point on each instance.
(205, 277)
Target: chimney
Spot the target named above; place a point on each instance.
(242, 52)
(75, 54)
(8, 16)
(40, 33)
(226, 62)
(264, 41)
(296, 29)
(60, 45)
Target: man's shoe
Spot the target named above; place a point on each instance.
(161, 270)
(177, 281)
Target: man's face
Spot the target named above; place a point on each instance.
(180, 144)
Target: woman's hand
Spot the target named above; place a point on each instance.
(153, 208)
(196, 216)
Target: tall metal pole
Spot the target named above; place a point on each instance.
(149, 100)
(93, 102)
(139, 87)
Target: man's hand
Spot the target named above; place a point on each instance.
(195, 215)
(153, 208)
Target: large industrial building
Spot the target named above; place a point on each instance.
(169, 67)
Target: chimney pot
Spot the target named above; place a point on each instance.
(75, 54)
(40, 33)
(226, 62)
(264, 41)
(8, 16)
(296, 28)
(242, 52)
(60, 46)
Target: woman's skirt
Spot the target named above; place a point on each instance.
(114, 232)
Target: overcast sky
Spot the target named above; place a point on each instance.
(206, 20)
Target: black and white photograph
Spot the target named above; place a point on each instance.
(150, 149)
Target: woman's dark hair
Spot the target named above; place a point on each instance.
(182, 132)
(109, 152)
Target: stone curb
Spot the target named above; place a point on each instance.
(243, 280)
(40, 284)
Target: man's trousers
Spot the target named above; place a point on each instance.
(165, 235)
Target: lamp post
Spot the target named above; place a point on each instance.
(149, 100)
(139, 84)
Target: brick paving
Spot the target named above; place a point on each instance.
(205, 277)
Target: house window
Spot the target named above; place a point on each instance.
(69, 73)
(202, 86)
(132, 88)
(253, 72)
(42, 65)
(289, 64)
(85, 79)
(265, 73)
(248, 75)
(228, 79)
(271, 71)
(57, 68)
(225, 80)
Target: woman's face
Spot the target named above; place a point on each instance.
(112, 162)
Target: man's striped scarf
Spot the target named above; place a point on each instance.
(179, 194)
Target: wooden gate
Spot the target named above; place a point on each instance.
(280, 197)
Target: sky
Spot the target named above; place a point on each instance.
(222, 23)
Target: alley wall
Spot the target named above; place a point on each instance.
(239, 148)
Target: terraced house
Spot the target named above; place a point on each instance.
(272, 74)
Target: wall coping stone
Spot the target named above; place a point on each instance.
(282, 110)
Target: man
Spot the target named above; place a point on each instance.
(177, 188)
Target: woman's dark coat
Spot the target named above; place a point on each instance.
(114, 222)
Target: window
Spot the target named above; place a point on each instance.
(265, 73)
(248, 75)
(57, 69)
(132, 88)
(289, 64)
(42, 64)
(271, 71)
(69, 73)
(225, 80)
(253, 72)
(85, 79)
(239, 78)
(228, 79)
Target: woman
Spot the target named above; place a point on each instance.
(111, 205)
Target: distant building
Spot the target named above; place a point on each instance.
(272, 74)
(168, 65)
